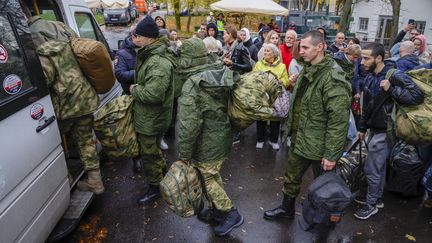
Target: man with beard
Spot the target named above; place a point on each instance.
(379, 96)
(317, 122)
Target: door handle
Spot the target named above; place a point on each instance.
(47, 122)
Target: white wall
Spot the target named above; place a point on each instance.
(419, 10)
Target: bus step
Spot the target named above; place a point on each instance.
(79, 202)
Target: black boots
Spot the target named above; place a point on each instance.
(231, 219)
(151, 195)
(137, 165)
(286, 210)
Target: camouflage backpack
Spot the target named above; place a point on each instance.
(414, 122)
(253, 97)
(181, 189)
(114, 128)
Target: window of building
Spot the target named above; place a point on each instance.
(364, 22)
(421, 25)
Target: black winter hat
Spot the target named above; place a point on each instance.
(147, 28)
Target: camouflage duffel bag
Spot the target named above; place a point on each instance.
(414, 122)
(114, 128)
(252, 98)
(181, 189)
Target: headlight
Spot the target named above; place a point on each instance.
(123, 15)
(105, 15)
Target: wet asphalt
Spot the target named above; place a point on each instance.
(253, 180)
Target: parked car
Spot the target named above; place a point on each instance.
(117, 16)
(141, 6)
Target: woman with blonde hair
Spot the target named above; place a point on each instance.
(271, 61)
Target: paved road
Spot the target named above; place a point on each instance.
(253, 181)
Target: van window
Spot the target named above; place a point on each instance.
(49, 14)
(85, 25)
(14, 76)
(21, 76)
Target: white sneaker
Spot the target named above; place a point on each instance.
(163, 145)
(259, 145)
(275, 146)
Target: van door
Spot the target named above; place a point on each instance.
(34, 189)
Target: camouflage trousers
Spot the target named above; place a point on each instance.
(214, 185)
(152, 160)
(81, 130)
(296, 168)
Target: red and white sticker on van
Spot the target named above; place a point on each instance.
(12, 84)
(3, 54)
(36, 111)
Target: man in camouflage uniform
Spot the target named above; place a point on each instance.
(74, 99)
(205, 131)
(153, 94)
(317, 122)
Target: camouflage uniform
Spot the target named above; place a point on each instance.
(73, 97)
(153, 103)
(205, 130)
(318, 120)
(153, 162)
(214, 185)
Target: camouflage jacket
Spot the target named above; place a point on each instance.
(154, 93)
(204, 126)
(71, 93)
(45, 30)
(324, 112)
(192, 59)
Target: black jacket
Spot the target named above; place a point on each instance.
(241, 59)
(124, 64)
(378, 103)
(253, 50)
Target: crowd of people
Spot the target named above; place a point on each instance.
(321, 89)
(324, 81)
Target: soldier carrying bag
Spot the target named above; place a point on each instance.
(183, 190)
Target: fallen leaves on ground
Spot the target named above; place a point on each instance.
(410, 237)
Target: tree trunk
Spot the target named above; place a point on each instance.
(176, 5)
(346, 14)
(395, 18)
(191, 5)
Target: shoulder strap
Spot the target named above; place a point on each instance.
(390, 73)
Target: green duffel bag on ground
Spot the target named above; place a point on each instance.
(114, 128)
(252, 98)
(182, 190)
(414, 122)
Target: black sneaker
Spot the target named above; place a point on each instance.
(362, 200)
(366, 212)
(232, 220)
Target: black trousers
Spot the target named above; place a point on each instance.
(274, 131)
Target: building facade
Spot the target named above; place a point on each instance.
(373, 19)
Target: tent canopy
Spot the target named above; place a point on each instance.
(261, 7)
(110, 4)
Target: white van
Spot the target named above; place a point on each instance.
(35, 191)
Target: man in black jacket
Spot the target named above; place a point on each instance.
(380, 92)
